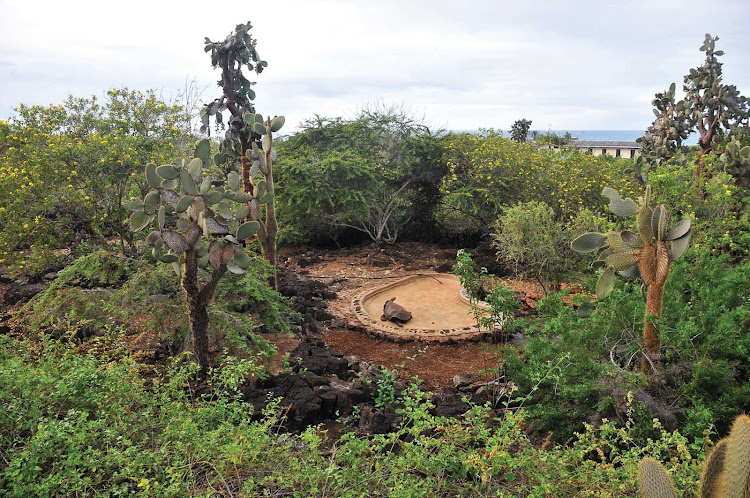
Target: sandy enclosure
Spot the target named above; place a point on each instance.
(434, 302)
(439, 313)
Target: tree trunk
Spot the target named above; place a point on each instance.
(198, 314)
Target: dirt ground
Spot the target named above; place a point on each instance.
(348, 272)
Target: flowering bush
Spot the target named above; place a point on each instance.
(69, 167)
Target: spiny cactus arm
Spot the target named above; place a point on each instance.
(623, 208)
(654, 481)
(589, 242)
(736, 476)
(711, 477)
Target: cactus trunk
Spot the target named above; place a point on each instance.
(199, 331)
(654, 266)
(197, 300)
(197, 311)
(651, 339)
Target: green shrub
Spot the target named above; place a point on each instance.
(534, 244)
(149, 301)
(75, 424)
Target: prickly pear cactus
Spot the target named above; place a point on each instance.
(248, 136)
(194, 212)
(645, 253)
(199, 224)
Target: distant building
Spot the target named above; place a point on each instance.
(614, 148)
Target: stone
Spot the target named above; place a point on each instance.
(18, 292)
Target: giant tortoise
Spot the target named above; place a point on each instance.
(395, 312)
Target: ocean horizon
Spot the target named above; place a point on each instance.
(597, 135)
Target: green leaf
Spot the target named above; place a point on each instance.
(140, 220)
(277, 123)
(195, 168)
(134, 204)
(205, 185)
(659, 222)
(267, 197)
(679, 229)
(619, 206)
(241, 212)
(605, 285)
(151, 202)
(153, 179)
(170, 184)
(235, 269)
(169, 258)
(213, 197)
(645, 229)
(588, 242)
(219, 159)
(160, 217)
(183, 203)
(247, 230)
(188, 184)
(249, 118)
(260, 188)
(241, 258)
(224, 210)
(585, 309)
(621, 261)
(168, 172)
(259, 128)
(234, 180)
(677, 247)
(203, 150)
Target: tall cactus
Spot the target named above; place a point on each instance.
(200, 223)
(646, 253)
(726, 473)
(248, 136)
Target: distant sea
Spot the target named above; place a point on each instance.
(619, 135)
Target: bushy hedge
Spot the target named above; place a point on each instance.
(77, 424)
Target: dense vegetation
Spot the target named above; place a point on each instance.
(97, 391)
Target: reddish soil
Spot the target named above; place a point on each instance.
(435, 364)
(349, 271)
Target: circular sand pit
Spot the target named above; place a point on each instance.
(440, 310)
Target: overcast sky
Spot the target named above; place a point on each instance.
(461, 65)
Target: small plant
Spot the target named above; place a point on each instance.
(502, 303)
(645, 254)
(470, 280)
(386, 391)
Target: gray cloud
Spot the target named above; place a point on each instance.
(580, 64)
